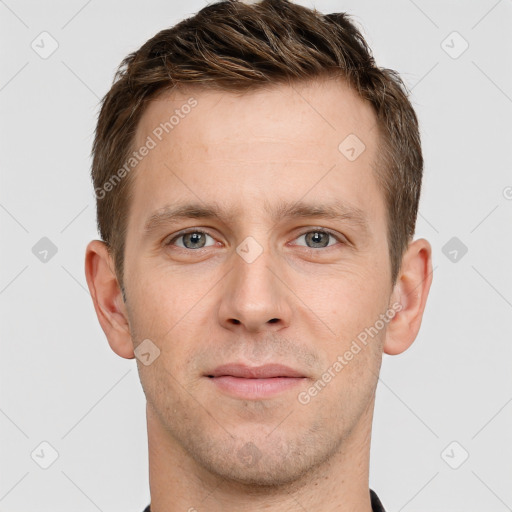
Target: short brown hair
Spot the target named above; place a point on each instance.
(233, 46)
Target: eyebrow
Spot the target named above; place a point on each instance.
(336, 210)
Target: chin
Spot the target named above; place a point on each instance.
(265, 461)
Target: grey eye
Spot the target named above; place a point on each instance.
(192, 240)
(317, 239)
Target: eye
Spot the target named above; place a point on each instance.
(195, 239)
(318, 239)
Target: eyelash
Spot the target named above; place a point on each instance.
(196, 230)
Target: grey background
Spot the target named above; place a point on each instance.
(61, 383)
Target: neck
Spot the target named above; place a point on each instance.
(179, 483)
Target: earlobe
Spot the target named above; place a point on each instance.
(107, 299)
(411, 291)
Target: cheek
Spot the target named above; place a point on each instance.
(348, 300)
(160, 298)
(155, 310)
(354, 355)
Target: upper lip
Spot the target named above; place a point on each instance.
(254, 372)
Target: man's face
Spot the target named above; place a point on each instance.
(256, 286)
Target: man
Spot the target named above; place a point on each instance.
(257, 181)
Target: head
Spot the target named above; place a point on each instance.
(295, 166)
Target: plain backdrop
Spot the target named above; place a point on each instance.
(441, 434)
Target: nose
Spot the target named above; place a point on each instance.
(254, 296)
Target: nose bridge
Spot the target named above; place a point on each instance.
(253, 295)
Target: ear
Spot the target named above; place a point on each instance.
(107, 298)
(410, 291)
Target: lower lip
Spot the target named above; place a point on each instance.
(255, 388)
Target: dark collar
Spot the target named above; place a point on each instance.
(376, 504)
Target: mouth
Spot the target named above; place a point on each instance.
(255, 382)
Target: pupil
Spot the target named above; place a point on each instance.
(195, 238)
(315, 237)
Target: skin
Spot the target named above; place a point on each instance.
(293, 305)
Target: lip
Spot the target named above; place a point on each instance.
(255, 382)
(267, 371)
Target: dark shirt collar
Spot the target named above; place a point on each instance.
(376, 504)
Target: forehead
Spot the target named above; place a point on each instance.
(326, 106)
(315, 138)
